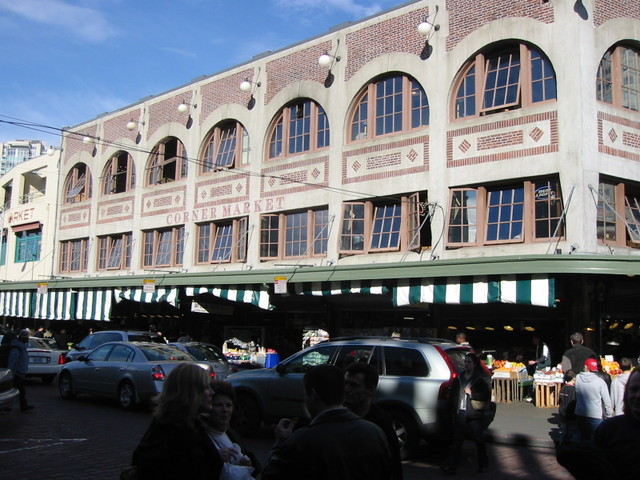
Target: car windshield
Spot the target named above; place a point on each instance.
(165, 352)
(145, 337)
(39, 343)
(207, 353)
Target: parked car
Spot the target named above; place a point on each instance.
(96, 339)
(209, 354)
(8, 393)
(414, 388)
(130, 372)
(44, 361)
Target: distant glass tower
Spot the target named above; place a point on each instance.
(17, 151)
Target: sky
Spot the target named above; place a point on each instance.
(64, 62)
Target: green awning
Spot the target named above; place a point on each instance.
(94, 304)
(256, 295)
(15, 303)
(55, 305)
(159, 294)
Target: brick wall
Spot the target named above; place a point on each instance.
(605, 10)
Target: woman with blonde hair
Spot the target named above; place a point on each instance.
(176, 444)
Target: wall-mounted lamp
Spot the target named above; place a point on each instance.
(184, 107)
(249, 86)
(428, 27)
(132, 124)
(327, 60)
(87, 140)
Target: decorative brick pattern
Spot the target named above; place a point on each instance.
(605, 10)
(295, 176)
(466, 16)
(390, 160)
(75, 217)
(393, 35)
(166, 111)
(115, 210)
(115, 128)
(534, 134)
(624, 128)
(73, 144)
(295, 67)
(223, 91)
(224, 187)
(163, 201)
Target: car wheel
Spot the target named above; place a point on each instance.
(47, 379)
(246, 416)
(127, 395)
(65, 386)
(407, 432)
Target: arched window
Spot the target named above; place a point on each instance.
(300, 127)
(505, 78)
(119, 174)
(227, 146)
(393, 104)
(618, 81)
(168, 162)
(77, 186)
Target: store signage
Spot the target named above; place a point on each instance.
(42, 288)
(148, 286)
(280, 285)
(226, 211)
(25, 215)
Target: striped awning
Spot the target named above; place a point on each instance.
(94, 304)
(15, 303)
(159, 294)
(516, 289)
(257, 295)
(375, 287)
(55, 305)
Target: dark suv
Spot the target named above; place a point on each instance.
(415, 380)
(96, 339)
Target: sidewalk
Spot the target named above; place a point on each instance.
(522, 423)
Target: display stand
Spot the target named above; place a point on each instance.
(505, 390)
(547, 394)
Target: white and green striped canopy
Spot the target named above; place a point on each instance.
(137, 294)
(15, 303)
(55, 305)
(256, 295)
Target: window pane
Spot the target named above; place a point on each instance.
(359, 124)
(204, 239)
(630, 78)
(386, 227)
(352, 228)
(223, 243)
(505, 214)
(604, 80)
(632, 215)
(275, 144)
(466, 96)
(227, 150)
(323, 129)
(548, 209)
(542, 78)
(419, 106)
(606, 217)
(295, 234)
(163, 256)
(462, 217)
(389, 105)
(269, 225)
(502, 80)
(320, 232)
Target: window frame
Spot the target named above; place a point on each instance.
(207, 245)
(365, 218)
(28, 241)
(158, 244)
(470, 90)
(533, 201)
(621, 209)
(276, 236)
(157, 164)
(610, 87)
(113, 174)
(212, 144)
(365, 109)
(108, 251)
(78, 178)
(74, 255)
(281, 133)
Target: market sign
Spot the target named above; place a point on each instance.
(280, 285)
(42, 288)
(148, 286)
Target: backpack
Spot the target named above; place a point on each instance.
(5, 346)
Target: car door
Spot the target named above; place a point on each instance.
(115, 367)
(285, 396)
(86, 374)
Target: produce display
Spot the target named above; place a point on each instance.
(611, 367)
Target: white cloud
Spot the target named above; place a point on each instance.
(88, 23)
(352, 7)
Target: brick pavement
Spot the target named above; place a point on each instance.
(92, 438)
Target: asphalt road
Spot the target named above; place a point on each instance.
(91, 438)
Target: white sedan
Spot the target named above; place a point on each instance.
(45, 361)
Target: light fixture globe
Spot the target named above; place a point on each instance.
(131, 125)
(86, 140)
(324, 60)
(183, 108)
(425, 29)
(245, 86)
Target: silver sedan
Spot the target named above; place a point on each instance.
(130, 372)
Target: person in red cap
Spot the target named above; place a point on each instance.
(593, 403)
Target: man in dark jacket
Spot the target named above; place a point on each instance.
(18, 363)
(573, 358)
(336, 445)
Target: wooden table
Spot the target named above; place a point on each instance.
(505, 390)
(547, 394)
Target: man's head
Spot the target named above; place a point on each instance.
(360, 382)
(625, 364)
(461, 337)
(23, 336)
(591, 365)
(576, 338)
(323, 388)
